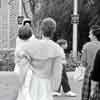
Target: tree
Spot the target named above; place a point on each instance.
(94, 6)
(61, 10)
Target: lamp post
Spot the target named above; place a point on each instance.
(75, 21)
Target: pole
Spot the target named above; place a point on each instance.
(8, 35)
(20, 7)
(20, 17)
(75, 28)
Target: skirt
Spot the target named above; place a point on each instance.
(24, 93)
(40, 88)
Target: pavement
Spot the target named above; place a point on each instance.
(9, 83)
(9, 86)
(75, 87)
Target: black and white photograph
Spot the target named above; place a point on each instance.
(49, 49)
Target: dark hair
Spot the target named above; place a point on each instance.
(24, 32)
(29, 22)
(61, 42)
(96, 31)
(48, 26)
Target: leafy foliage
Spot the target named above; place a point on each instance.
(7, 60)
(61, 10)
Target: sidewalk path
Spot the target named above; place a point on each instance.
(9, 84)
(75, 87)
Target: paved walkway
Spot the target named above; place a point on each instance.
(9, 84)
(75, 86)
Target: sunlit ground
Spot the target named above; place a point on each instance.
(75, 86)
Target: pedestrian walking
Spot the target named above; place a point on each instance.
(64, 78)
(87, 59)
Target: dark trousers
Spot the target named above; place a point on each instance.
(64, 81)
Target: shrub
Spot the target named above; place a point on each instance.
(7, 60)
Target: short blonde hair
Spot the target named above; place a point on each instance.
(48, 26)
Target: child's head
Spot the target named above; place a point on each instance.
(63, 43)
(24, 32)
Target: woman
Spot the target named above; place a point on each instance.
(21, 64)
(64, 78)
(95, 78)
(88, 56)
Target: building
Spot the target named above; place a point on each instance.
(9, 12)
(8, 23)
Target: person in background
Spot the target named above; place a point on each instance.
(95, 79)
(64, 78)
(87, 59)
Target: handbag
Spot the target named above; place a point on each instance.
(93, 97)
(79, 73)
